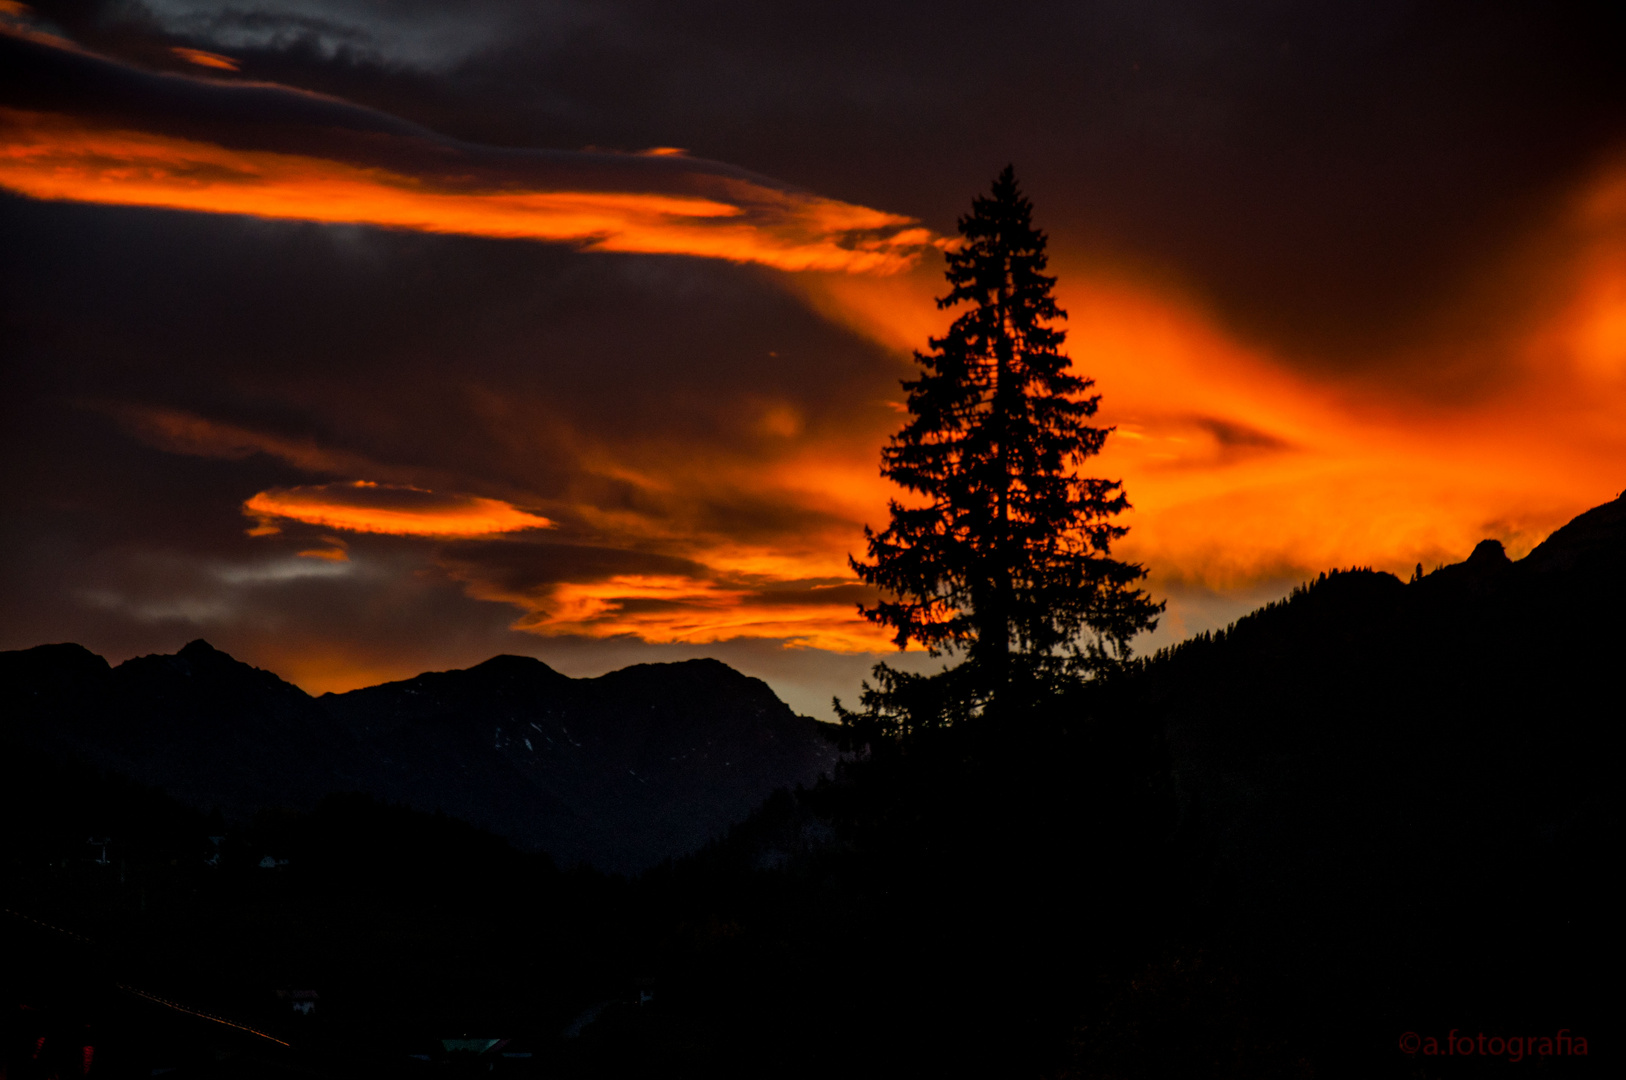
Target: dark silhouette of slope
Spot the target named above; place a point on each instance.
(1398, 797)
(621, 771)
(1590, 545)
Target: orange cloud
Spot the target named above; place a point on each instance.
(336, 551)
(694, 610)
(1369, 474)
(203, 58)
(58, 157)
(790, 582)
(380, 508)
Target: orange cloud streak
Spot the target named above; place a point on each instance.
(204, 58)
(185, 433)
(676, 608)
(51, 156)
(379, 508)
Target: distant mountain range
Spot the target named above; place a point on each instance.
(652, 761)
(620, 771)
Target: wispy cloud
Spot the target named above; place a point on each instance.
(427, 37)
(133, 138)
(706, 604)
(180, 432)
(51, 156)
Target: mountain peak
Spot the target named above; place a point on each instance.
(198, 662)
(1489, 554)
(703, 669)
(508, 664)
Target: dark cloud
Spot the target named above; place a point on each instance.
(521, 567)
(455, 361)
(1234, 436)
(1329, 175)
(258, 116)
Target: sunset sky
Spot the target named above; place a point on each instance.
(363, 338)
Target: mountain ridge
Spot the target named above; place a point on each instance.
(621, 771)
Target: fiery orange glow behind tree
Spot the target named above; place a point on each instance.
(1241, 472)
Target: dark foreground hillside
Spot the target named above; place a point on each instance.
(1362, 818)
(1371, 815)
(1397, 802)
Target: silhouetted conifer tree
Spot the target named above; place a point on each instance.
(1006, 554)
